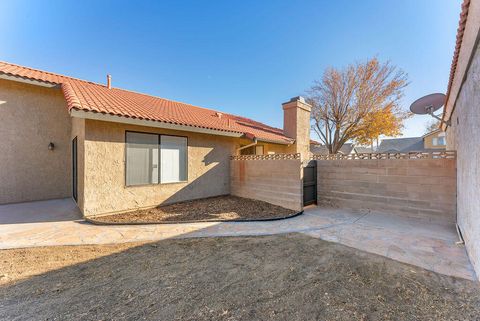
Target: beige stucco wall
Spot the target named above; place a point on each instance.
(274, 181)
(296, 124)
(463, 136)
(420, 188)
(104, 181)
(32, 117)
(267, 147)
(428, 141)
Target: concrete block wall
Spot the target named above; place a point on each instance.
(420, 188)
(274, 181)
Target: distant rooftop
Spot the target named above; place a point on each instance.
(401, 145)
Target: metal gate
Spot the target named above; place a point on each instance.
(310, 183)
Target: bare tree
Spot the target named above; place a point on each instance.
(432, 125)
(343, 99)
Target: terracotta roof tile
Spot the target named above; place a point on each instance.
(460, 30)
(93, 97)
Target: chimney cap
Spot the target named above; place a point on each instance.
(295, 99)
(298, 98)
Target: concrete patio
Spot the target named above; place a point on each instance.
(428, 245)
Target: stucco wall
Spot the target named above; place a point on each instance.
(421, 188)
(30, 118)
(296, 124)
(104, 181)
(267, 147)
(464, 137)
(274, 181)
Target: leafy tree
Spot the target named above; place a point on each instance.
(377, 123)
(359, 102)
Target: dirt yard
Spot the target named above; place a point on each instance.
(289, 277)
(221, 208)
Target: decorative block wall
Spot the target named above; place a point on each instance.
(274, 181)
(422, 188)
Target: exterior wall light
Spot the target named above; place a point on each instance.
(51, 146)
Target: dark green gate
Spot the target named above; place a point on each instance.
(310, 183)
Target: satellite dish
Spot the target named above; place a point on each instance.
(428, 105)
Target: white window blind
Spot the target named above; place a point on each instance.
(173, 155)
(142, 158)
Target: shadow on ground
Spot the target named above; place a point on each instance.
(286, 277)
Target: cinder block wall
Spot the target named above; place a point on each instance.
(421, 188)
(274, 181)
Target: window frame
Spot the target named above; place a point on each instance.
(159, 159)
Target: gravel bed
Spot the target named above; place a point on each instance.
(220, 208)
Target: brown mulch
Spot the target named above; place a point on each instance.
(281, 277)
(220, 208)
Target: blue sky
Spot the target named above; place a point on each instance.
(242, 57)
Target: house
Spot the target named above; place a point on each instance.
(114, 150)
(430, 142)
(435, 140)
(462, 122)
(346, 149)
(318, 148)
(363, 150)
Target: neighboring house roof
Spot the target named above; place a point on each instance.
(91, 97)
(317, 148)
(432, 132)
(363, 150)
(410, 144)
(346, 148)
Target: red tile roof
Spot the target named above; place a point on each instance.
(460, 30)
(97, 98)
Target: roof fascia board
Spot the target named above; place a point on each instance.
(28, 81)
(149, 123)
(432, 132)
(264, 140)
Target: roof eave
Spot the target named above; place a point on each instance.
(466, 42)
(274, 141)
(29, 81)
(149, 123)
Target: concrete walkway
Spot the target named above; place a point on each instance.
(428, 245)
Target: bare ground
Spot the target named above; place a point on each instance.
(220, 208)
(288, 277)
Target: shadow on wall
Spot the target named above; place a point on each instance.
(208, 170)
(214, 182)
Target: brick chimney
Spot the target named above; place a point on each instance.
(296, 124)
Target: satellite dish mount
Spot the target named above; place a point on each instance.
(428, 105)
